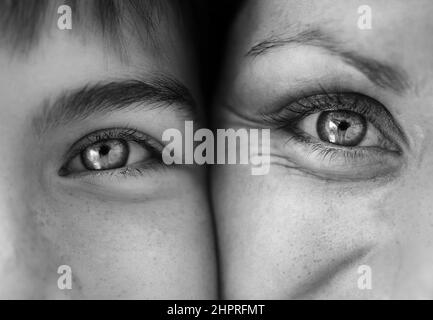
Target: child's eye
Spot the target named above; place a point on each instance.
(109, 154)
(111, 149)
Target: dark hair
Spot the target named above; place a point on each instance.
(21, 21)
(216, 19)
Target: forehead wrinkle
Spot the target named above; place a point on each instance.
(382, 74)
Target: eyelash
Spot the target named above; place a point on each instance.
(325, 101)
(127, 134)
(288, 119)
(330, 151)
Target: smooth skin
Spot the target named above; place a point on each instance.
(147, 236)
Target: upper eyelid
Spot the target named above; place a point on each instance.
(119, 133)
(376, 111)
(382, 74)
(114, 96)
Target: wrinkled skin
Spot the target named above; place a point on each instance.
(298, 233)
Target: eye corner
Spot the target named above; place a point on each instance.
(63, 172)
(129, 146)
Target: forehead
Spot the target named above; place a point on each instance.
(62, 60)
(119, 26)
(393, 16)
(397, 26)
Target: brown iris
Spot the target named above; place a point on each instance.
(105, 155)
(342, 127)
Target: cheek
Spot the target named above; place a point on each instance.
(407, 208)
(287, 236)
(245, 210)
(150, 249)
(334, 230)
(95, 240)
(28, 259)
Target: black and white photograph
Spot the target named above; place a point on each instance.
(232, 152)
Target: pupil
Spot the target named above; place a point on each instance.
(105, 155)
(104, 150)
(344, 125)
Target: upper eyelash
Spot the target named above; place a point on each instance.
(128, 134)
(325, 101)
(321, 102)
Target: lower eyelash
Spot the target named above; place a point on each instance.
(138, 170)
(330, 152)
(127, 134)
(141, 169)
(349, 164)
(372, 110)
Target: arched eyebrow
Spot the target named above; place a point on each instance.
(384, 75)
(108, 97)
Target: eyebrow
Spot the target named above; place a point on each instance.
(384, 75)
(116, 96)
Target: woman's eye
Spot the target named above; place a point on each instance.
(341, 136)
(344, 128)
(110, 150)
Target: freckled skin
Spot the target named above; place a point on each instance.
(291, 235)
(126, 237)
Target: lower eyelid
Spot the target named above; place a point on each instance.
(357, 163)
(309, 106)
(141, 169)
(136, 170)
(128, 134)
